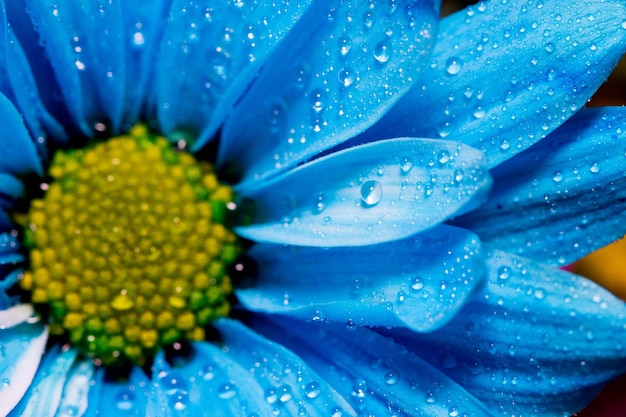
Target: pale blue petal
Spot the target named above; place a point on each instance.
(15, 316)
(120, 398)
(19, 154)
(504, 74)
(74, 400)
(22, 348)
(368, 194)
(341, 67)
(210, 54)
(419, 282)
(538, 342)
(44, 394)
(88, 64)
(377, 376)
(564, 197)
(143, 29)
(248, 376)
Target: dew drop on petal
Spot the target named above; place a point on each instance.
(346, 76)
(382, 51)
(371, 193)
(227, 391)
(312, 390)
(453, 65)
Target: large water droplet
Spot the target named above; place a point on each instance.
(271, 396)
(312, 390)
(382, 51)
(344, 44)
(284, 393)
(453, 65)
(594, 168)
(124, 400)
(227, 391)
(406, 165)
(346, 76)
(371, 193)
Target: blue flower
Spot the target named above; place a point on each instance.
(415, 185)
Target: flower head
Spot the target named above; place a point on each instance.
(406, 189)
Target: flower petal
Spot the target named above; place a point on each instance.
(506, 73)
(538, 342)
(15, 315)
(88, 64)
(419, 282)
(368, 194)
(74, 399)
(123, 398)
(44, 394)
(377, 376)
(209, 56)
(20, 155)
(341, 67)
(562, 198)
(22, 348)
(143, 30)
(247, 376)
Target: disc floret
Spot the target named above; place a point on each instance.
(128, 247)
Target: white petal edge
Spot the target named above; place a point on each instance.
(13, 316)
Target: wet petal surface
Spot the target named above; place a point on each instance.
(564, 197)
(505, 74)
(368, 194)
(341, 67)
(419, 282)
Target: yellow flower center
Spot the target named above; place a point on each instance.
(127, 247)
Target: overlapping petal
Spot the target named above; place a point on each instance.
(212, 53)
(19, 154)
(123, 397)
(368, 194)
(340, 68)
(504, 74)
(377, 376)
(420, 282)
(89, 65)
(248, 375)
(23, 343)
(564, 197)
(537, 342)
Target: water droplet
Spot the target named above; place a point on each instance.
(557, 176)
(416, 284)
(382, 51)
(359, 388)
(312, 390)
(504, 272)
(344, 43)
(371, 193)
(594, 168)
(431, 397)
(271, 396)
(368, 19)
(406, 165)
(391, 377)
(125, 399)
(453, 65)
(336, 412)
(316, 99)
(208, 371)
(443, 157)
(346, 76)
(284, 393)
(227, 391)
(479, 112)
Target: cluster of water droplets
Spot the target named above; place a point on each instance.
(363, 55)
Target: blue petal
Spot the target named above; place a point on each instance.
(419, 282)
(74, 400)
(368, 194)
(18, 84)
(378, 377)
(562, 198)
(538, 342)
(247, 376)
(44, 394)
(209, 55)
(19, 154)
(22, 348)
(143, 27)
(88, 64)
(123, 398)
(504, 74)
(341, 67)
